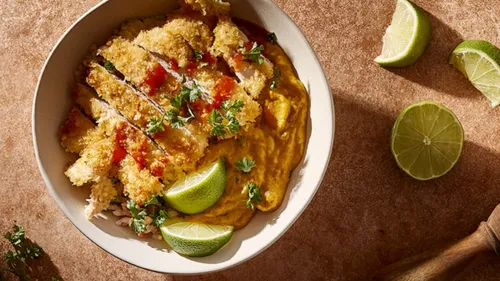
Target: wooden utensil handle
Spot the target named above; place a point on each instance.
(443, 264)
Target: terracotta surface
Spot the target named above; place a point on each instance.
(367, 213)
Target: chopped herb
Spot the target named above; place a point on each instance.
(160, 218)
(109, 66)
(155, 125)
(195, 93)
(152, 201)
(215, 117)
(197, 55)
(245, 165)
(177, 121)
(271, 37)
(138, 214)
(254, 54)
(186, 94)
(236, 106)
(276, 76)
(24, 251)
(233, 126)
(254, 195)
(218, 131)
(114, 180)
(216, 120)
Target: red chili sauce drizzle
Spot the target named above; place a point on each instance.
(119, 152)
(222, 90)
(140, 153)
(156, 78)
(174, 64)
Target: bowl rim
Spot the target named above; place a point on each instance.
(330, 132)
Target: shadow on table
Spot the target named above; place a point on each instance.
(433, 70)
(368, 213)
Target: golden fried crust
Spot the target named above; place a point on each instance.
(160, 41)
(131, 29)
(198, 34)
(138, 184)
(76, 132)
(102, 193)
(209, 7)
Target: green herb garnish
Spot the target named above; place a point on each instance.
(177, 121)
(276, 76)
(216, 120)
(236, 106)
(109, 66)
(197, 55)
(271, 37)
(24, 251)
(245, 165)
(254, 54)
(234, 125)
(138, 214)
(160, 218)
(254, 195)
(152, 201)
(114, 180)
(155, 125)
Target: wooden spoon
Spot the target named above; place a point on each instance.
(446, 263)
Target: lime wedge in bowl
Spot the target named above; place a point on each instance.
(407, 37)
(479, 61)
(196, 239)
(427, 140)
(198, 191)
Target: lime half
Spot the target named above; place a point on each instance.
(198, 191)
(479, 61)
(407, 37)
(427, 140)
(196, 239)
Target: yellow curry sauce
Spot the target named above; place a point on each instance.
(276, 144)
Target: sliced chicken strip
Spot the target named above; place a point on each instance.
(77, 132)
(138, 184)
(131, 29)
(193, 30)
(95, 162)
(136, 143)
(231, 43)
(183, 148)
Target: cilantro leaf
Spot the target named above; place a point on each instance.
(218, 131)
(276, 82)
(109, 66)
(155, 125)
(152, 201)
(254, 54)
(195, 93)
(271, 37)
(245, 165)
(254, 195)
(160, 218)
(233, 126)
(138, 225)
(215, 117)
(216, 120)
(138, 214)
(236, 106)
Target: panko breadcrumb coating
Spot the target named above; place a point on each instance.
(172, 45)
(210, 7)
(138, 184)
(77, 132)
(195, 31)
(101, 195)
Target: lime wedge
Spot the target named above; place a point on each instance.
(196, 239)
(427, 140)
(407, 37)
(479, 61)
(198, 191)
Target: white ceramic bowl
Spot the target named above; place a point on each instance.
(52, 103)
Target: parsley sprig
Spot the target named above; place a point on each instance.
(254, 195)
(254, 54)
(245, 165)
(109, 66)
(155, 125)
(185, 97)
(24, 251)
(276, 79)
(233, 124)
(215, 118)
(138, 224)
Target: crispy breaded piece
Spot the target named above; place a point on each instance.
(172, 45)
(76, 132)
(209, 7)
(139, 185)
(121, 96)
(179, 143)
(137, 143)
(209, 79)
(229, 40)
(131, 29)
(95, 162)
(101, 195)
(195, 31)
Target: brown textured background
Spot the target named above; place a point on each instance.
(366, 214)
